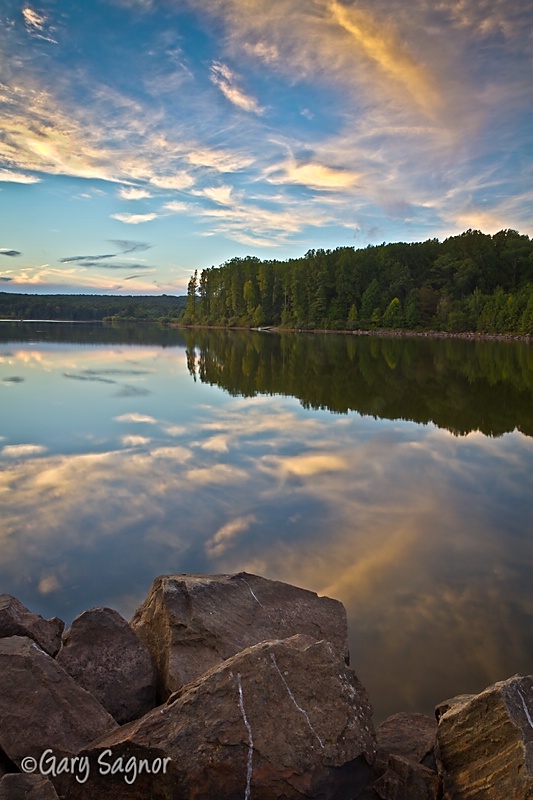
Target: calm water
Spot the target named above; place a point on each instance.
(394, 475)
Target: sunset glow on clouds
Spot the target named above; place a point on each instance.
(226, 128)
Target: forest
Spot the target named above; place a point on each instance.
(470, 282)
(90, 307)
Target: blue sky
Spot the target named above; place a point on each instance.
(143, 139)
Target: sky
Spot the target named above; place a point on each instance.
(143, 139)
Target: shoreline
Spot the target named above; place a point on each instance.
(395, 333)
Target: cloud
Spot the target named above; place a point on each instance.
(382, 45)
(181, 180)
(307, 465)
(314, 175)
(225, 80)
(219, 194)
(177, 206)
(49, 584)
(225, 537)
(133, 193)
(37, 25)
(101, 261)
(92, 259)
(22, 450)
(134, 219)
(33, 19)
(137, 418)
(4, 252)
(135, 441)
(5, 279)
(8, 176)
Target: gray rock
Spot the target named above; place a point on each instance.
(485, 744)
(191, 623)
(104, 656)
(281, 719)
(17, 620)
(27, 787)
(41, 707)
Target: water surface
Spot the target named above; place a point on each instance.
(392, 474)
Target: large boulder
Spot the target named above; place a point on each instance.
(27, 787)
(485, 743)
(17, 620)
(281, 719)
(102, 653)
(42, 708)
(191, 623)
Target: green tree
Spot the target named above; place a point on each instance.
(190, 308)
(392, 316)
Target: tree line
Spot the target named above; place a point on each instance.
(90, 307)
(470, 282)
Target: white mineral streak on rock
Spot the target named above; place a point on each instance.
(300, 709)
(526, 709)
(250, 741)
(251, 591)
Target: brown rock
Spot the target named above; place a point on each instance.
(404, 768)
(27, 787)
(454, 702)
(485, 745)
(193, 622)
(409, 735)
(42, 707)
(103, 655)
(404, 779)
(282, 719)
(6, 765)
(17, 620)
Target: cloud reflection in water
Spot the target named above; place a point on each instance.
(422, 534)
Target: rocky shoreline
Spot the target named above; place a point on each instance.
(383, 332)
(234, 686)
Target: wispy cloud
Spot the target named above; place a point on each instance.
(37, 24)
(226, 81)
(125, 246)
(11, 253)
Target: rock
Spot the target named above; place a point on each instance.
(104, 656)
(41, 707)
(404, 779)
(404, 760)
(454, 702)
(281, 719)
(6, 765)
(409, 735)
(485, 744)
(191, 623)
(27, 787)
(17, 620)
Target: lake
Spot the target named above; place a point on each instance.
(392, 474)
